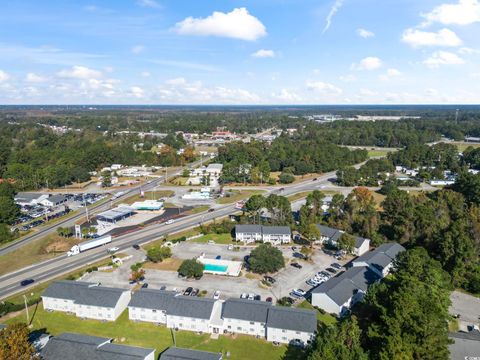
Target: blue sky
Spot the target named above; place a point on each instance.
(239, 52)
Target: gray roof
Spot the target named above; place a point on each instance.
(465, 345)
(68, 346)
(248, 229)
(22, 196)
(292, 319)
(344, 286)
(152, 299)
(84, 293)
(190, 306)
(276, 230)
(382, 256)
(187, 354)
(331, 233)
(359, 241)
(57, 198)
(248, 310)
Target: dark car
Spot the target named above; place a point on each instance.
(314, 179)
(194, 292)
(296, 265)
(26, 282)
(269, 279)
(299, 255)
(332, 270)
(246, 258)
(269, 299)
(163, 287)
(144, 286)
(257, 297)
(136, 247)
(188, 291)
(218, 257)
(336, 266)
(211, 210)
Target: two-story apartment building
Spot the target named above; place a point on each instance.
(242, 316)
(381, 259)
(286, 325)
(86, 300)
(274, 235)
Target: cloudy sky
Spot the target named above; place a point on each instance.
(239, 52)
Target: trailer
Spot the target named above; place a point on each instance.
(87, 245)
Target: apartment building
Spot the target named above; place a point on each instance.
(274, 235)
(242, 316)
(286, 325)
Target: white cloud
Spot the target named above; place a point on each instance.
(444, 37)
(439, 58)
(369, 63)
(137, 92)
(323, 87)
(4, 76)
(391, 73)
(237, 24)
(365, 33)
(262, 53)
(176, 81)
(145, 74)
(149, 3)
(286, 96)
(464, 12)
(468, 51)
(367, 92)
(348, 78)
(137, 49)
(333, 10)
(34, 78)
(79, 72)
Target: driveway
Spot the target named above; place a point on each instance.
(467, 306)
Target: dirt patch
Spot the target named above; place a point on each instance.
(59, 244)
(171, 264)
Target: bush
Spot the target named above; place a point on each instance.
(180, 239)
(158, 254)
(266, 259)
(137, 266)
(191, 268)
(284, 301)
(286, 178)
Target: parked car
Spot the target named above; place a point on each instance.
(332, 270)
(144, 286)
(216, 294)
(269, 299)
(211, 210)
(269, 279)
(336, 266)
(113, 249)
(311, 282)
(136, 247)
(294, 248)
(251, 297)
(218, 257)
(244, 296)
(314, 179)
(163, 287)
(26, 282)
(188, 291)
(299, 255)
(296, 265)
(194, 292)
(299, 292)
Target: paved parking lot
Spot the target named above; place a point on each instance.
(467, 306)
(287, 278)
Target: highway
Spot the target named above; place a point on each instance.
(70, 221)
(53, 268)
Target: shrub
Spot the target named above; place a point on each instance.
(191, 268)
(266, 259)
(158, 254)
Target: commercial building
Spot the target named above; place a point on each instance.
(29, 199)
(274, 235)
(69, 346)
(150, 205)
(54, 200)
(86, 300)
(466, 345)
(117, 214)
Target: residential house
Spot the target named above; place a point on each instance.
(465, 345)
(175, 353)
(381, 259)
(329, 235)
(242, 316)
(69, 346)
(338, 294)
(275, 235)
(362, 246)
(86, 300)
(286, 325)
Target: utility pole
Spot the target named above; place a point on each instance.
(86, 208)
(26, 309)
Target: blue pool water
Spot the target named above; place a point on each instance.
(216, 268)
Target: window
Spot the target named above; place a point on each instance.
(239, 328)
(154, 311)
(251, 323)
(298, 333)
(284, 338)
(252, 330)
(284, 331)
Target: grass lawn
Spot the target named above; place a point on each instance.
(149, 195)
(170, 264)
(197, 209)
(326, 319)
(218, 238)
(238, 195)
(461, 146)
(376, 153)
(153, 336)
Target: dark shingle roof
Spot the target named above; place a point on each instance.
(189, 306)
(152, 299)
(248, 229)
(186, 354)
(292, 319)
(276, 230)
(57, 198)
(331, 233)
(84, 293)
(68, 346)
(382, 256)
(243, 309)
(359, 241)
(343, 287)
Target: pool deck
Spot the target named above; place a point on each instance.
(233, 268)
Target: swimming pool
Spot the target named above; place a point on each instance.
(215, 268)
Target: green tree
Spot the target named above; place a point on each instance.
(312, 233)
(14, 344)
(286, 178)
(266, 259)
(158, 254)
(9, 211)
(106, 178)
(191, 268)
(254, 205)
(346, 242)
(339, 342)
(137, 275)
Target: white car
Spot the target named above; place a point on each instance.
(168, 222)
(216, 294)
(113, 249)
(244, 296)
(251, 296)
(299, 292)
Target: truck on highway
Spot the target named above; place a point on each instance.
(87, 245)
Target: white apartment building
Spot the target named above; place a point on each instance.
(86, 300)
(241, 316)
(275, 235)
(285, 325)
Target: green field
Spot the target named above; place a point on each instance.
(149, 195)
(376, 153)
(218, 238)
(238, 195)
(153, 336)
